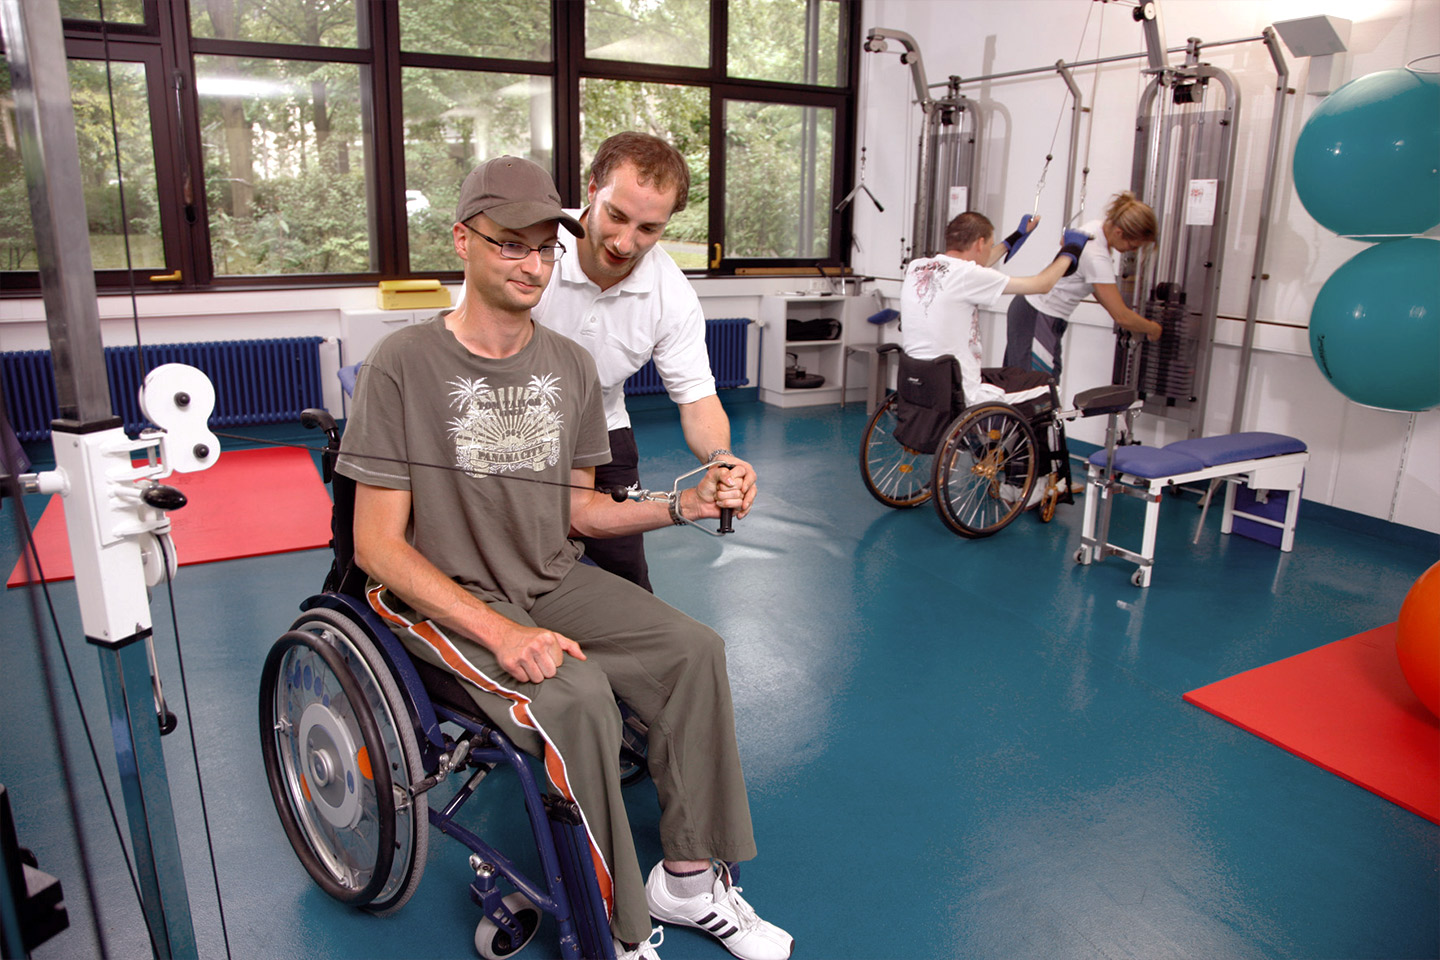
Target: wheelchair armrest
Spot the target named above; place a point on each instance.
(888, 348)
(1112, 398)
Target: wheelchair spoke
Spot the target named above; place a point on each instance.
(985, 470)
(894, 474)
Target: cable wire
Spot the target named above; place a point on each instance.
(140, 379)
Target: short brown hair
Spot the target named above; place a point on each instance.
(1133, 218)
(658, 164)
(964, 230)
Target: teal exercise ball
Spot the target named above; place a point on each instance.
(1367, 163)
(1375, 326)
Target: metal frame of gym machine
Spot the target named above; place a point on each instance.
(948, 147)
(1177, 141)
(1181, 141)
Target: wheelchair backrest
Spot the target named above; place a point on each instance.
(931, 395)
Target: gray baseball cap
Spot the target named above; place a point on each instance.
(514, 192)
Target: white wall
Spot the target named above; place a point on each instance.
(1381, 463)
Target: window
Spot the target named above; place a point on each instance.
(276, 142)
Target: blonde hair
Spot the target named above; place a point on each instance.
(1133, 218)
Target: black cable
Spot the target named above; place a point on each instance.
(140, 380)
(120, 187)
(195, 752)
(416, 463)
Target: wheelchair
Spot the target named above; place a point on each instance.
(979, 465)
(354, 733)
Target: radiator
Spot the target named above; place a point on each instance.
(725, 341)
(256, 381)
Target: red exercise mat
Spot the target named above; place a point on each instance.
(251, 503)
(1346, 708)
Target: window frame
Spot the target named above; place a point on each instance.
(164, 45)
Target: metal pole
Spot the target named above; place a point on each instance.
(1118, 58)
(1075, 114)
(90, 450)
(1267, 200)
(45, 119)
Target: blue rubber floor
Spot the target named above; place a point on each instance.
(954, 748)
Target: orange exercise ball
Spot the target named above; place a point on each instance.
(1417, 638)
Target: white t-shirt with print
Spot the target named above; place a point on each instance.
(940, 305)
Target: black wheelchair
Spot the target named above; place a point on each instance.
(354, 733)
(979, 465)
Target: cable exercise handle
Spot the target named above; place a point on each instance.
(672, 497)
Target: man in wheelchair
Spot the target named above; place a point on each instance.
(940, 303)
(942, 295)
(475, 569)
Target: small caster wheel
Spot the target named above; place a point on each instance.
(1138, 578)
(1082, 556)
(494, 943)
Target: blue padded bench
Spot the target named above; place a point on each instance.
(1263, 461)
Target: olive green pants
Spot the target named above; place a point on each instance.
(667, 667)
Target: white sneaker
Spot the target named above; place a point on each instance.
(723, 914)
(1010, 493)
(644, 950)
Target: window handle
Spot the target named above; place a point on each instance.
(175, 277)
(715, 261)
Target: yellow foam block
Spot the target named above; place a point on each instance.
(411, 295)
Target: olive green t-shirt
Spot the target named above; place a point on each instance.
(426, 403)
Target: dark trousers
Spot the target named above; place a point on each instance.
(622, 556)
(1024, 327)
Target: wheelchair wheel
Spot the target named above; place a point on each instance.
(893, 473)
(340, 755)
(985, 470)
(495, 943)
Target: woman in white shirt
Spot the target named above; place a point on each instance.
(1036, 322)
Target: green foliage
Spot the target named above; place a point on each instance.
(670, 32)
(116, 11)
(507, 29)
(328, 23)
(767, 196)
(769, 41)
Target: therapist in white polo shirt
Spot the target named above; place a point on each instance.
(626, 301)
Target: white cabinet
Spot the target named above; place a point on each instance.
(360, 330)
(845, 375)
(823, 357)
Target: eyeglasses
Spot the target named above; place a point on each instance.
(513, 250)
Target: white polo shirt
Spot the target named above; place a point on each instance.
(652, 313)
(1096, 266)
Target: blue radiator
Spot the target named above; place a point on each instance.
(256, 381)
(725, 341)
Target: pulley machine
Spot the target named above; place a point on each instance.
(1184, 165)
(949, 145)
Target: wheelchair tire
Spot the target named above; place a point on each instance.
(985, 470)
(340, 754)
(493, 943)
(894, 474)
